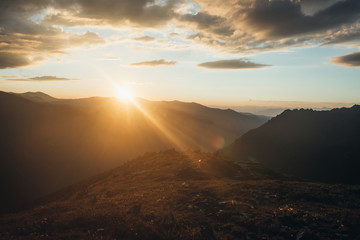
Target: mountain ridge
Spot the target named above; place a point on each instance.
(315, 145)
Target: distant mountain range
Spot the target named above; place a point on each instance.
(315, 145)
(47, 143)
(271, 111)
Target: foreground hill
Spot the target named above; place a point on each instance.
(48, 143)
(190, 195)
(319, 146)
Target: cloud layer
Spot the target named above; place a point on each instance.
(33, 31)
(231, 64)
(154, 63)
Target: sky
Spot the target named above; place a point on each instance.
(214, 52)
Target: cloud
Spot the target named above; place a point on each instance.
(350, 60)
(25, 41)
(145, 39)
(206, 21)
(345, 35)
(10, 76)
(13, 60)
(231, 64)
(87, 39)
(33, 31)
(266, 25)
(155, 63)
(22, 49)
(280, 18)
(310, 7)
(42, 79)
(146, 13)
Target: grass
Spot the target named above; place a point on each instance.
(172, 195)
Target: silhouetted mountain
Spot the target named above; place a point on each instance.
(47, 144)
(315, 145)
(190, 195)
(37, 96)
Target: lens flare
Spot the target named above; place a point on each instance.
(217, 142)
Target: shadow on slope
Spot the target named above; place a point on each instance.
(318, 146)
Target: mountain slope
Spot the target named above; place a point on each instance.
(190, 195)
(37, 96)
(47, 145)
(209, 128)
(319, 146)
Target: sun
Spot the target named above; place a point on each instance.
(124, 93)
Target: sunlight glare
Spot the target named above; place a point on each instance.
(124, 93)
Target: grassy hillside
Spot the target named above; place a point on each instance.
(190, 195)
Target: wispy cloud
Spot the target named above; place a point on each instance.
(231, 64)
(154, 63)
(11, 76)
(42, 79)
(144, 39)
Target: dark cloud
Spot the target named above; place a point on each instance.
(155, 63)
(212, 23)
(231, 64)
(13, 60)
(282, 18)
(350, 60)
(203, 19)
(112, 12)
(145, 39)
(42, 79)
(265, 25)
